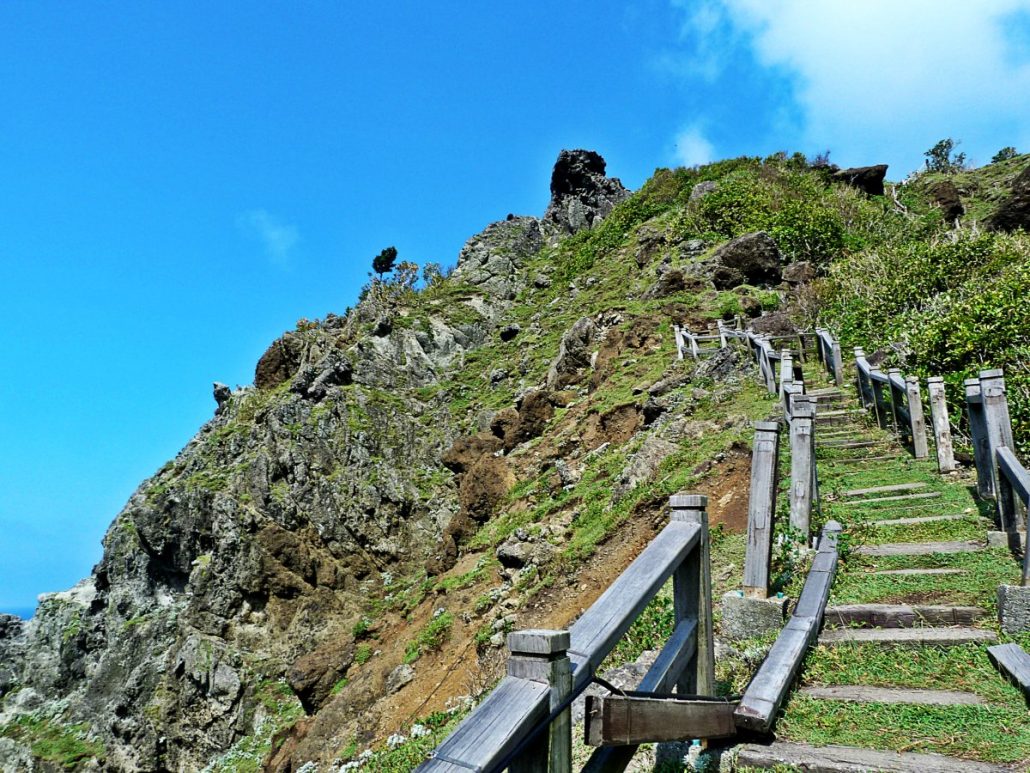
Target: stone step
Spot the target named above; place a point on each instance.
(864, 458)
(899, 615)
(913, 572)
(845, 443)
(848, 759)
(918, 548)
(914, 521)
(908, 637)
(859, 492)
(835, 413)
(899, 498)
(857, 693)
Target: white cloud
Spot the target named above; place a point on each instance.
(278, 238)
(878, 75)
(693, 148)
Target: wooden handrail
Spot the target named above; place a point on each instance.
(500, 726)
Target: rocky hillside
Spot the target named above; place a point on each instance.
(329, 566)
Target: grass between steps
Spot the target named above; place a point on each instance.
(996, 732)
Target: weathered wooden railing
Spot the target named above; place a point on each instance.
(1000, 474)
(828, 348)
(693, 343)
(769, 687)
(895, 401)
(524, 722)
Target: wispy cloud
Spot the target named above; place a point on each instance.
(877, 75)
(277, 237)
(693, 148)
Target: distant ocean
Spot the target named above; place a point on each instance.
(23, 612)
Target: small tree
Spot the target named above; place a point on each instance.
(939, 158)
(383, 262)
(1004, 154)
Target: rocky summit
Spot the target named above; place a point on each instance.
(322, 579)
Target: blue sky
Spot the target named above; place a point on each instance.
(182, 181)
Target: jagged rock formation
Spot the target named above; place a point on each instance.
(749, 259)
(581, 194)
(246, 559)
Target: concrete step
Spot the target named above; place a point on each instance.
(863, 458)
(918, 548)
(860, 492)
(848, 759)
(913, 572)
(845, 443)
(857, 693)
(899, 498)
(914, 521)
(899, 615)
(908, 637)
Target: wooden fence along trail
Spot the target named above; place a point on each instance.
(524, 724)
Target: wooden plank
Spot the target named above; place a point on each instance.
(907, 637)
(941, 425)
(858, 693)
(848, 444)
(600, 628)
(491, 732)
(692, 596)
(635, 718)
(899, 498)
(768, 688)
(1015, 472)
(802, 465)
(917, 548)
(1013, 661)
(900, 615)
(858, 492)
(982, 457)
(761, 509)
(996, 419)
(846, 759)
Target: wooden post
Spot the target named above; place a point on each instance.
(999, 433)
(978, 436)
(542, 656)
(693, 345)
(802, 461)
(838, 363)
(761, 509)
(941, 426)
(692, 596)
(882, 417)
(786, 371)
(679, 341)
(723, 343)
(915, 414)
(897, 395)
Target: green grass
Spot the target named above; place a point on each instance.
(67, 746)
(430, 638)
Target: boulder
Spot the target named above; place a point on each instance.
(946, 196)
(535, 410)
(752, 259)
(508, 332)
(702, 189)
(573, 353)
(799, 273)
(313, 676)
(484, 485)
(868, 179)
(1014, 212)
(581, 194)
(669, 282)
(401, 676)
(279, 362)
(504, 425)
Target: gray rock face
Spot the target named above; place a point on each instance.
(491, 260)
(868, 179)
(581, 194)
(798, 273)
(752, 259)
(1014, 212)
(401, 676)
(573, 353)
(702, 189)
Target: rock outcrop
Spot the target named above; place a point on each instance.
(868, 179)
(581, 194)
(946, 196)
(1014, 212)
